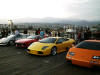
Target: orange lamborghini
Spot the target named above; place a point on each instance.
(86, 54)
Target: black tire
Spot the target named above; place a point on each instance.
(11, 43)
(53, 51)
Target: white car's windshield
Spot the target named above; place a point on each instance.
(11, 36)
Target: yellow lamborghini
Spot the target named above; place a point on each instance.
(50, 45)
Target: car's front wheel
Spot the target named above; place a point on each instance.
(54, 51)
(11, 43)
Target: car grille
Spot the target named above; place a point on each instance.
(39, 52)
(20, 44)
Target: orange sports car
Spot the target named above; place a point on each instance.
(86, 54)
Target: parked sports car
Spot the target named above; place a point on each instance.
(50, 45)
(27, 41)
(10, 40)
(86, 53)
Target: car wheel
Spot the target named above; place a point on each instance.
(54, 51)
(11, 43)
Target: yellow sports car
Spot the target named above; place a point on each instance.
(51, 45)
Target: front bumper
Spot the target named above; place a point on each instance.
(34, 52)
(21, 45)
(82, 63)
(3, 44)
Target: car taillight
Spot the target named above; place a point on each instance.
(96, 57)
(72, 53)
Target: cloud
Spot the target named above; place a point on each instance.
(88, 10)
(79, 9)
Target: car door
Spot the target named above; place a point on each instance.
(60, 44)
(67, 43)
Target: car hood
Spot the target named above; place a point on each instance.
(3, 40)
(24, 40)
(84, 54)
(38, 46)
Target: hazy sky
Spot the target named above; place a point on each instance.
(79, 9)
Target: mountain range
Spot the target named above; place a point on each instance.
(51, 20)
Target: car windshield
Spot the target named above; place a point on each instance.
(11, 36)
(89, 45)
(31, 37)
(24, 36)
(48, 40)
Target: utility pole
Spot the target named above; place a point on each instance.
(10, 23)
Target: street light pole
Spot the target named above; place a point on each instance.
(10, 23)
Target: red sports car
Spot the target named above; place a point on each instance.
(26, 42)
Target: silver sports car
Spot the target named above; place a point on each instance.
(10, 40)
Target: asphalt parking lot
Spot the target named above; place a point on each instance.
(16, 61)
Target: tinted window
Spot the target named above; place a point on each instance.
(66, 39)
(48, 40)
(31, 37)
(60, 40)
(20, 36)
(89, 45)
(24, 36)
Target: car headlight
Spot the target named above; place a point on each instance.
(96, 57)
(3, 42)
(43, 48)
(72, 53)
